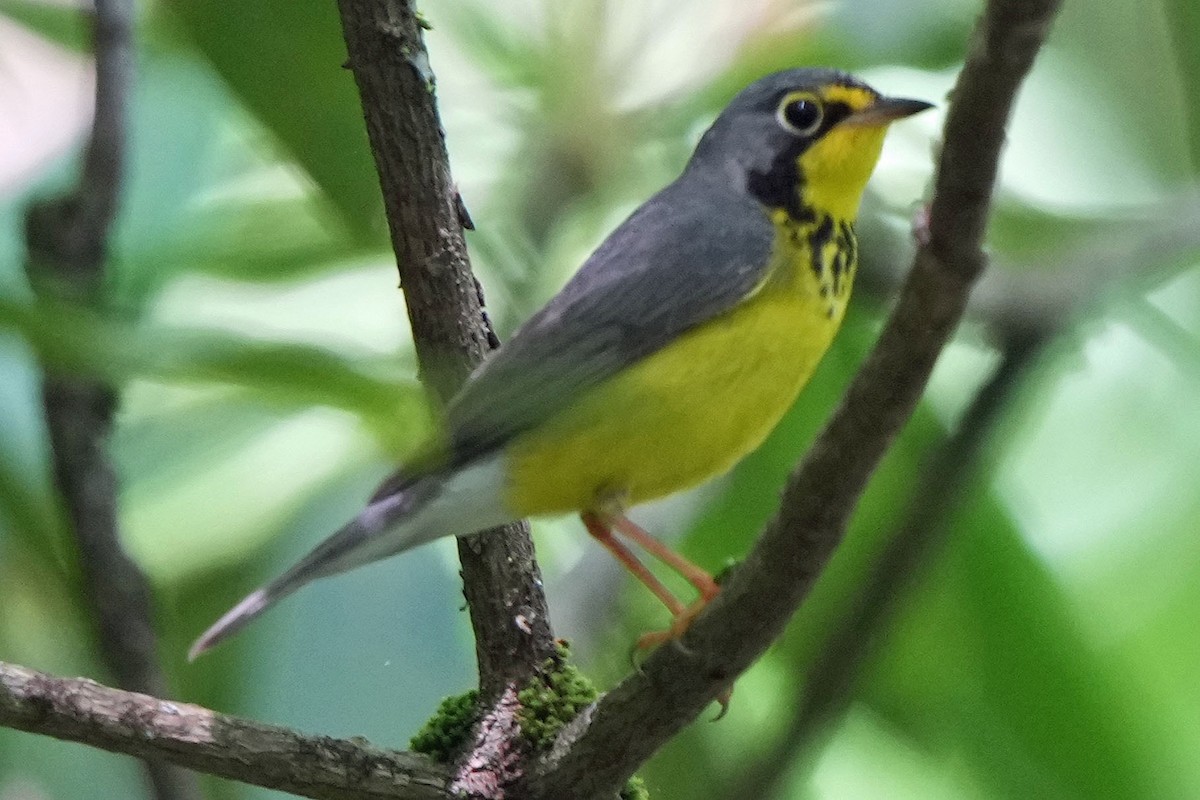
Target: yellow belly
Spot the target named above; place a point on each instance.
(683, 414)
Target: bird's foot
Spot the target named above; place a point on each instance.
(674, 634)
(679, 625)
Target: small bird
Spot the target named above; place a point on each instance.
(669, 356)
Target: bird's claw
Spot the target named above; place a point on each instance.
(723, 698)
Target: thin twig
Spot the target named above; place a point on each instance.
(78, 710)
(67, 239)
(602, 748)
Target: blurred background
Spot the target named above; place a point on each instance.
(1043, 645)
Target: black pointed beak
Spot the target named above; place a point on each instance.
(884, 111)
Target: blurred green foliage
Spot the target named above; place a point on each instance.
(1048, 650)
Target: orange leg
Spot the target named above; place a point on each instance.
(695, 575)
(601, 528)
(601, 532)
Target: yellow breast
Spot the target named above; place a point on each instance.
(694, 408)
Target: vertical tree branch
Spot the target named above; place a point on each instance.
(67, 241)
(387, 53)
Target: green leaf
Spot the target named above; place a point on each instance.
(173, 444)
(257, 240)
(989, 663)
(74, 339)
(180, 151)
(64, 24)
(284, 60)
(31, 516)
(1183, 21)
(1151, 49)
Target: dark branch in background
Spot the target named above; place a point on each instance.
(321, 767)
(67, 240)
(920, 536)
(598, 752)
(501, 579)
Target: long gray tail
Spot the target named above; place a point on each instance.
(360, 541)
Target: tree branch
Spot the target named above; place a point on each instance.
(1023, 309)
(610, 740)
(501, 580)
(78, 710)
(450, 328)
(920, 535)
(67, 240)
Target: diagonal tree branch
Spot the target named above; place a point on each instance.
(67, 240)
(1023, 315)
(78, 710)
(609, 741)
(830, 681)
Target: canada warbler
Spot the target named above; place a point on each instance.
(669, 356)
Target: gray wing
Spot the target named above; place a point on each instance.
(688, 254)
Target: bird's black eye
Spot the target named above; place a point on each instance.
(800, 114)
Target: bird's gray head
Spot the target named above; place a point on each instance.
(800, 138)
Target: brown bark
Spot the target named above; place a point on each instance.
(78, 710)
(501, 579)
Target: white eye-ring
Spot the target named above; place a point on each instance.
(800, 114)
